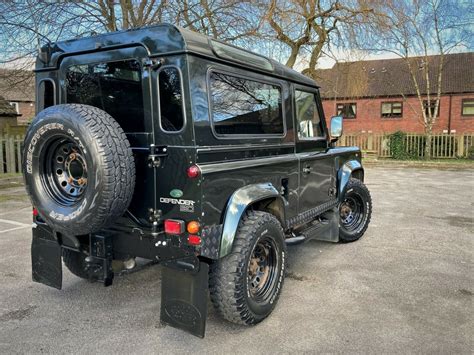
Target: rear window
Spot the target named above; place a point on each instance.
(242, 106)
(171, 100)
(45, 94)
(115, 87)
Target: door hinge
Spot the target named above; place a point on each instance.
(156, 153)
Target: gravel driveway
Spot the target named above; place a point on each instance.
(407, 286)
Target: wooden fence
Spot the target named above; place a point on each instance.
(10, 153)
(443, 146)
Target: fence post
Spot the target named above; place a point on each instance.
(18, 152)
(461, 145)
(370, 141)
(11, 155)
(2, 163)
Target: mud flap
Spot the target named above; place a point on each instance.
(184, 294)
(46, 258)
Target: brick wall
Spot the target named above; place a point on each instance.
(369, 116)
(27, 111)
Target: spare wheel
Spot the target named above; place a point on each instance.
(78, 167)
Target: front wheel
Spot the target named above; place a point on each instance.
(355, 211)
(245, 284)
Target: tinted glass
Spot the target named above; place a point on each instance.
(171, 100)
(115, 87)
(243, 106)
(45, 94)
(309, 122)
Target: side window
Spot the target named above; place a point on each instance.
(114, 87)
(45, 94)
(309, 122)
(171, 100)
(244, 106)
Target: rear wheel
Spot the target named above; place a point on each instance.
(76, 263)
(355, 211)
(245, 285)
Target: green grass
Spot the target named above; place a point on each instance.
(16, 197)
(455, 163)
(10, 175)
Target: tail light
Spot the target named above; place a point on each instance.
(193, 227)
(193, 171)
(174, 226)
(194, 240)
(35, 212)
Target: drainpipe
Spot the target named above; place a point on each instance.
(449, 115)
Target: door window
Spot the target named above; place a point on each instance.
(309, 121)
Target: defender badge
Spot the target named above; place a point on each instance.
(176, 193)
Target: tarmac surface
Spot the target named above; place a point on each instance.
(405, 287)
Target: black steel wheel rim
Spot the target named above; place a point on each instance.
(263, 270)
(63, 170)
(352, 211)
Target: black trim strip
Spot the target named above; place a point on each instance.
(311, 214)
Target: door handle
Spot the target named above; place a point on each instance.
(306, 170)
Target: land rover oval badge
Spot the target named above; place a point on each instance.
(176, 193)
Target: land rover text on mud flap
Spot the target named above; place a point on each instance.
(162, 144)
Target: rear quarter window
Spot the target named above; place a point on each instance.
(242, 106)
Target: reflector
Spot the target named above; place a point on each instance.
(193, 171)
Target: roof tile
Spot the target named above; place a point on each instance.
(391, 77)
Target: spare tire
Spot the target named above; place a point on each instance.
(78, 167)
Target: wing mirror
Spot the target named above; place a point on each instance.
(336, 128)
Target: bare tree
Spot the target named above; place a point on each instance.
(309, 27)
(415, 31)
(227, 20)
(121, 15)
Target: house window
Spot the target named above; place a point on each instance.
(16, 106)
(347, 110)
(242, 106)
(391, 109)
(429, 107)
(309, 122)
(468, 107)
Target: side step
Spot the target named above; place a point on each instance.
(327, 229)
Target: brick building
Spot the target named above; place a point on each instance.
(18, 88)
(379, 95)
(8, 115)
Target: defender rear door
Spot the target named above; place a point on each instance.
(117, 82)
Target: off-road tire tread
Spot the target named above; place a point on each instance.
(227, 276)
(359, 184)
